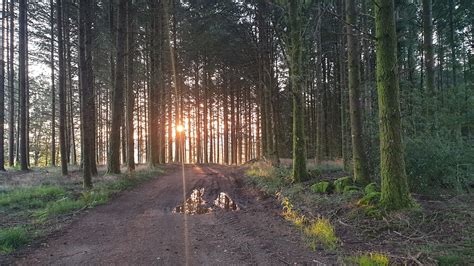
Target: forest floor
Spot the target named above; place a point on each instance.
(437, 230)
(261, 219)
(144, 226)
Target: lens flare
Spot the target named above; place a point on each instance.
(179, 128)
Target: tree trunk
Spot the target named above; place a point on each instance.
(359, 158)
(87, 91)
(429, 58)
(130, 94)
(23, 75)
(113, 160)
(295, 54)
(2, 90)
(53, 91)
(11, 84)
(62, 89)
(395, 193)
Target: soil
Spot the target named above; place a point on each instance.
(142, 226)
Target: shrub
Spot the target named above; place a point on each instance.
(434, 162)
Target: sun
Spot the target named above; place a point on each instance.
(179, 128)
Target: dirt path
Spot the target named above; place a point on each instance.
(139, 227)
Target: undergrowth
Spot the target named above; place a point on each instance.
(439, 232)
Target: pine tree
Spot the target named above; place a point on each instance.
(395, 193)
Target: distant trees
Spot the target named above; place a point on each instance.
(247, 80)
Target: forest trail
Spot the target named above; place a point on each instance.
(140, 227)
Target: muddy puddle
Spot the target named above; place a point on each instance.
(223, 201)
(195, 203)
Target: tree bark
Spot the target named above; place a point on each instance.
(23, 75)
(62, 89)
(87, 91)
(359, 157)
(113, 159)
(130, 93)
(395, 193)
(295, 54)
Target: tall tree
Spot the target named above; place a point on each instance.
(87, 92)
(113, 159)
(429, 54)
(296, 81)
(11, 85)
(359, 157)
(2, 89)
(62, 88)
(130, 93)
(53, 90)
(23, 76)
(395, 194)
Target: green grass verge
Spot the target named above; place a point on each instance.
(41, 204)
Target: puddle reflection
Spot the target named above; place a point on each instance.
(195, 203)
(225, 202)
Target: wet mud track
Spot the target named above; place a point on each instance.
(149, 225)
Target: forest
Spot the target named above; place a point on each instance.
(353, 120)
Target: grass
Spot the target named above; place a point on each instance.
(371, 259)
(31, 197)
(320, 233)
(13, 238)
(40, 204)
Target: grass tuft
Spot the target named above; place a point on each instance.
(12, 238)
(321, 233)
(371, 259)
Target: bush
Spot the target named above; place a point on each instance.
(434, 162)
